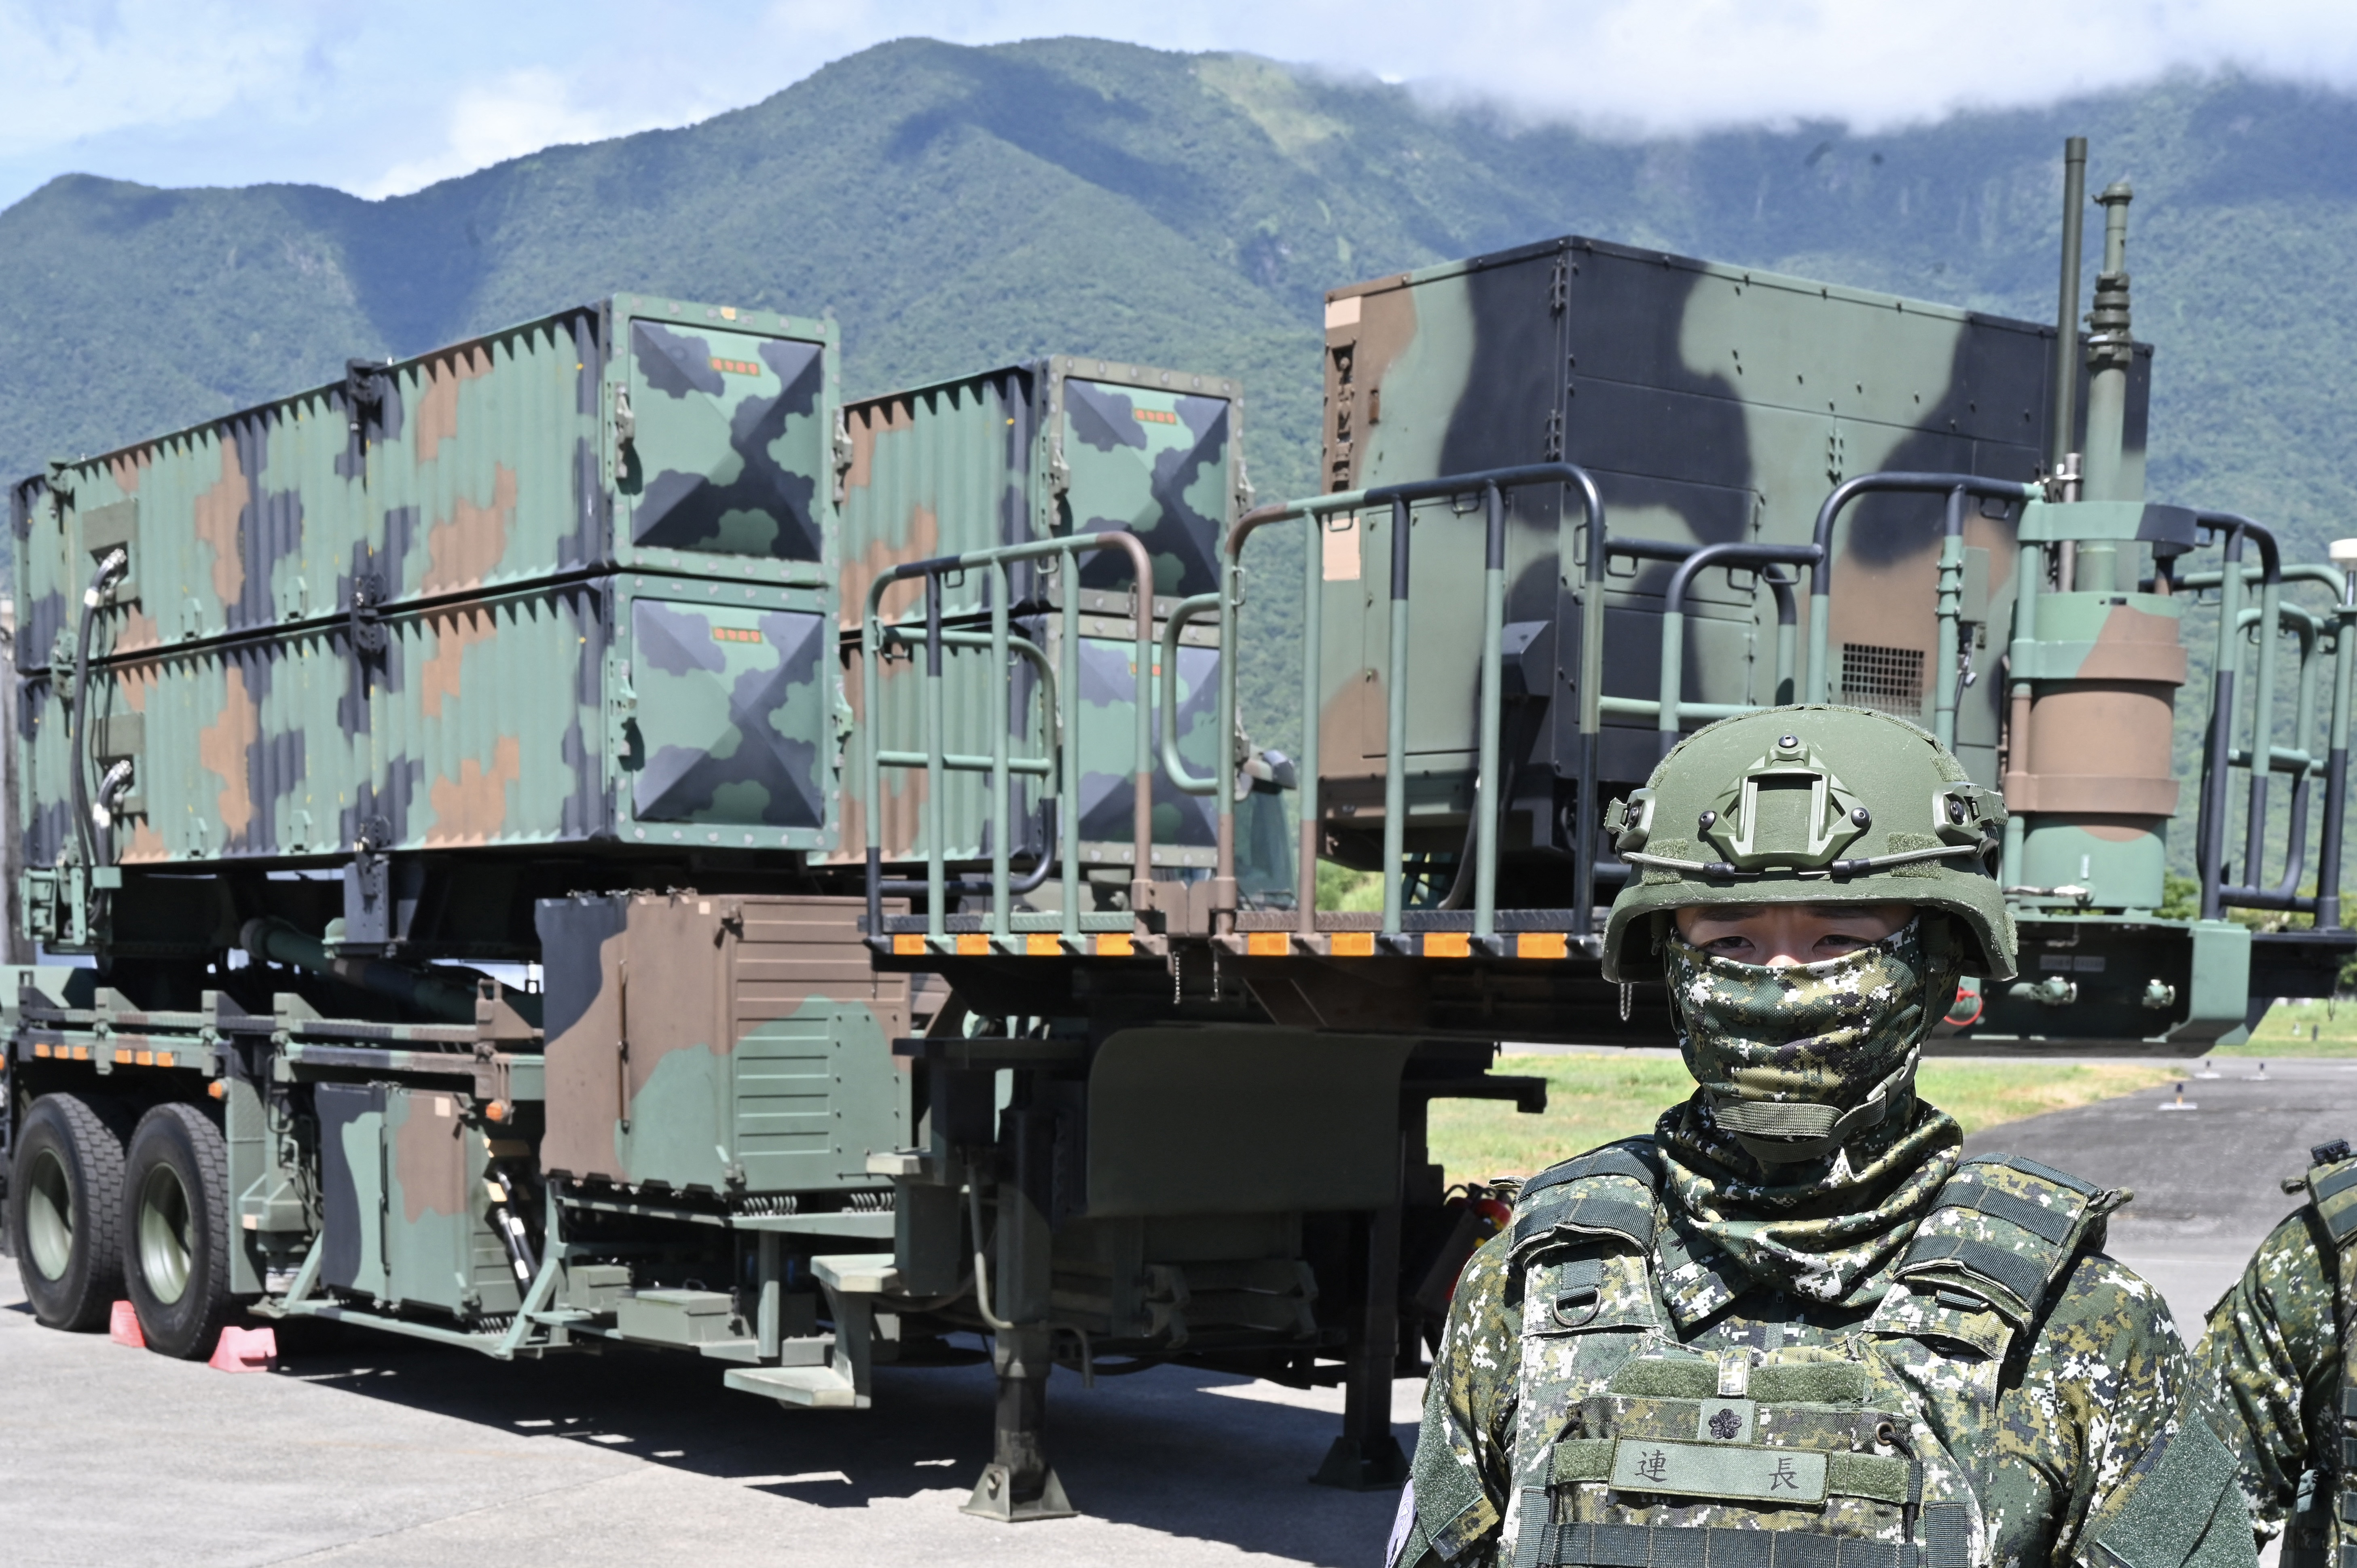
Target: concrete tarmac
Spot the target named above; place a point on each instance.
(366, 1450)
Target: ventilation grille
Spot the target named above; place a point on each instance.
(1889, 679)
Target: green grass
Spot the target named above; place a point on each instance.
(2301, 1029)
(1593, 1099)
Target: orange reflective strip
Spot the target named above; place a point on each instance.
(973, 944)
(122, 1058)
(908, 945)
(81, 1053)
(147, 1059)
(1541, 944)
(1039, 946)
(1116, 946)
(1447, 944)
(1353, 944)
(1268, 944)
(40, 1051)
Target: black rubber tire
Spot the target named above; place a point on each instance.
(65, 1211)
(175, 1229)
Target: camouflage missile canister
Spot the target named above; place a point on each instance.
(638, 433)
(568, 582)
(1057, 446)
(1713, 404)
(651, 710)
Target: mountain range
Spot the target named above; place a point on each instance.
(956, 207)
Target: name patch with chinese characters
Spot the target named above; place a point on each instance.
(1720, 1470)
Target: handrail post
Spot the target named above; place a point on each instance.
(872, 766)
(1585, 814)
(2263, 734)
(1141, 818)
(1307, 797)
(1672, 674)
(1395, 729)
(2336, 766)
(2029, 576)
(1069, 658)
(1946, 662)
(1486, 802)
(1002, 871)
(936, 924)
(2215, 782)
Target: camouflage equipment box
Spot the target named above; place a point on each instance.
(630, 708)
(1055, 446)
(636, 433)
(724, 1045)
(1712, 404)
(1058, 446)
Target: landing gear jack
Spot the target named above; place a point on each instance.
(1366, 1458)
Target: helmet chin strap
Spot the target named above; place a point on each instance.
(1789, 1132)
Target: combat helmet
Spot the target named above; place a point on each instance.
(1809, 804)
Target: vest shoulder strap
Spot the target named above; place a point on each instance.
(2008, 1230)
(2333, 1186)
(1609, 1190)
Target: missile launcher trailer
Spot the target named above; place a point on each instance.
(583, 837)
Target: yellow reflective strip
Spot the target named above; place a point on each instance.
(1540, 944)
(1042, 946)
(973, 944)
(910, 945)
(1266, 944)
(1353, 944)
(1447, 944)
(1120, 945)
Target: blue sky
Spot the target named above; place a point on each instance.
(379, 99)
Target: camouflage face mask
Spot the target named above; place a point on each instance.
(1794, 1061)
(1804, 1157)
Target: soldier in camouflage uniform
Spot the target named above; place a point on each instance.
(1793, 1326)
(2275, 1363)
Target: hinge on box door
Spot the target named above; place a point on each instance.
(1837, 459)
(1559, 284)
(363, 616)
(1555, 436)
(842, 457)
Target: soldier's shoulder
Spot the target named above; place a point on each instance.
(1635, 1159)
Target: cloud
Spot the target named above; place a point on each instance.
(518, 112)
(380, 100)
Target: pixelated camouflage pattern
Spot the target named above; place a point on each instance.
(2274, 1359)
(640, 432)
(2037, 1447)
(661, 710)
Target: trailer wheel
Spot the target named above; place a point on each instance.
(176, 1237)
(65, 1212)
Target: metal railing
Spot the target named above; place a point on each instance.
(1492, 486)
(2262, 757)
(1063, 698)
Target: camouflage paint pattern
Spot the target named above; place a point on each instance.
(1713, 404)
(407, 1219)
(662, 710)
(736, 1044)
(1560, 1330)
(2274, 1359)
(976, 691)
(1053, 446)
(640, 432)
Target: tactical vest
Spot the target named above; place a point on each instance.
(1632, 1449)
(2325, 1514)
